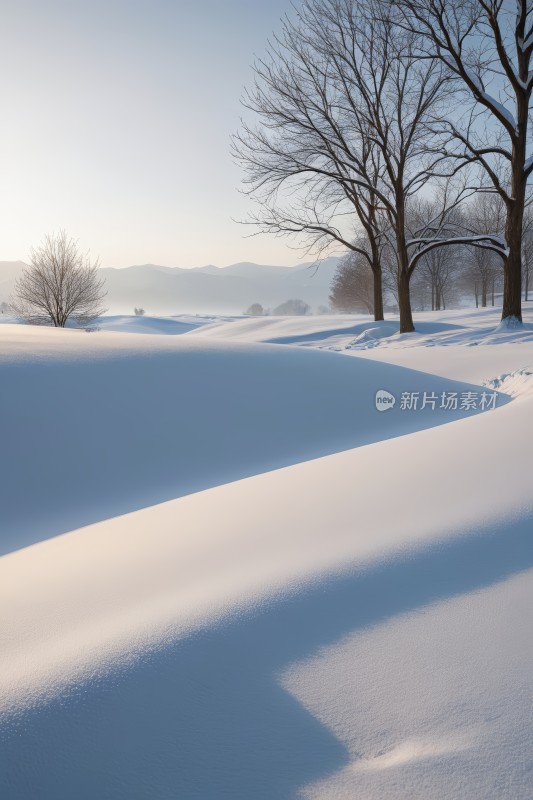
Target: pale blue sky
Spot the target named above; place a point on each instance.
(116, 118)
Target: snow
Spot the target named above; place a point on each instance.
(144, 324)
(101, 424)
(271, 328)
(491, 101)
(500, 109)
(528, 42)
(331, 602)
(493, 242)
(464, 327)
(410, 740)
(518, 383)
(509, 324)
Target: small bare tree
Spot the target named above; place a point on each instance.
(352, 287)
(481, 271)
(483, 266)
(437, 269)
(60, 283)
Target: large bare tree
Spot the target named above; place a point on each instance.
(486, 47)
(346, 111)
(299, 158)
(60, 283)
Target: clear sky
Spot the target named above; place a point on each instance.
(116, 119)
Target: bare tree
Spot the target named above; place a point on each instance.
(347, 108)
(438, 270)
(299, 158)
(481, 271)
(352, 285)
(483, 266)
(438, 266)
(486, 47)
(60, 283)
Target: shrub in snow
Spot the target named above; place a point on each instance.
(256, 310)
(292, 308)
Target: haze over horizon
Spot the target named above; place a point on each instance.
(305, 261)
(134, 159)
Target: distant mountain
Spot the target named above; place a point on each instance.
(9, 272)
(209, 289)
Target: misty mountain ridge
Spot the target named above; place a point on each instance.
(208, 289)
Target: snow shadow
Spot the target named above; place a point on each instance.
(378, 330)
(87, 438)
(206, 718)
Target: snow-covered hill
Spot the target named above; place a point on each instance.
(355, 623)
(104, 423)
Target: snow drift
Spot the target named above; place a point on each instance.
(101, 424)
(355, 625)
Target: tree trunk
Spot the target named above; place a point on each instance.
(375, 264)
(512, 283)
(512, 266)
(404, 276)
(484, 294)
(378, 292)
(404, 303)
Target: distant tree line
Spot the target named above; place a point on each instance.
(290, 308)
(444, 275)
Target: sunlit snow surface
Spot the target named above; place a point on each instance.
(331, 602)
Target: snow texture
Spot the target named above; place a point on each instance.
(331, 603)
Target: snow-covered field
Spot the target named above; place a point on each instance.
(228, 575)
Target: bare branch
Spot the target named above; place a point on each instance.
(60, 283)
